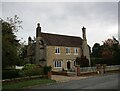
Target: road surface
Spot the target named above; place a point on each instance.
(107, 81)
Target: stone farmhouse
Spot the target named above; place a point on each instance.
(57, 51)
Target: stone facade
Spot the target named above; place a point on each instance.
(57, 51)
(63, 56)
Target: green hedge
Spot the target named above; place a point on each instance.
(111, 61)
(31, 70)
(47, 69)
(10, 73)
(28, 70)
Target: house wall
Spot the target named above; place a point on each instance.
(51, 56)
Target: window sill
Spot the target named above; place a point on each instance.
(57, 53)
(75, 53)
(68, 53)
(57, 67)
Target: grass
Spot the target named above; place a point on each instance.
(25, 84)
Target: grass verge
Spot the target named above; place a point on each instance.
(25, 84)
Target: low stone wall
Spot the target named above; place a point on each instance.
(64, 73)
(113, 71)
(22, 79)
(88, 73)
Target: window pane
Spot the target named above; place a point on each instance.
(57, 63)
(57, 50)
(75, 50)
(67, 50)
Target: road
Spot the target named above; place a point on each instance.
(107, 81)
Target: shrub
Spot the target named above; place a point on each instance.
(83, 61)
(47, 69)
(10, 73)
(31, 70)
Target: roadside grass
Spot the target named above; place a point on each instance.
(25, 84)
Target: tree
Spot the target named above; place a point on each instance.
(22, 53)
(110, 47)
(9, 41)
(96, 50)
(83, 61)
(107, 53)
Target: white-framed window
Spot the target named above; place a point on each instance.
(68, 50)
(58, 64)
(57, 50)
(75, 51)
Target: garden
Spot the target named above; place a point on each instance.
(29, 75)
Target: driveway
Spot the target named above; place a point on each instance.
(60, 78)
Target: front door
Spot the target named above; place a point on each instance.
(68, 65)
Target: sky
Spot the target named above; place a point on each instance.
(66, 18)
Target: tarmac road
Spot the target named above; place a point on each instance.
(107, 81)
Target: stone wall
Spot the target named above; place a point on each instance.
(51, 56)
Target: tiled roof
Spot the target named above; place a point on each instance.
(61, 40)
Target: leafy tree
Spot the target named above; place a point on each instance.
(107, 53)
(96, 50)
(83, 61)
(9, 41)
(22, 53)
(110, 48)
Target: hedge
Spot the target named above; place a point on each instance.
(10, 73)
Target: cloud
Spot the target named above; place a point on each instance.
(100, 18)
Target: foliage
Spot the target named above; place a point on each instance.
(107, 53)
(15, 23)
(9, 41)
(10, 73)
(31, 70)
(22, 53)
(47, 69)
(96, 50)
(83, 61)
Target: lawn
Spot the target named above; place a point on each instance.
(25, 84)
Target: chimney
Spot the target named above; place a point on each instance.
(29, 40)
(38, 30)
(84, 33)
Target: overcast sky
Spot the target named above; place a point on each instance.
(66, 18)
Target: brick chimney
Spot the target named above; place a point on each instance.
(84, 33)
(38, 30)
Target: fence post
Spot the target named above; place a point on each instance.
(49, 74)
(98, 68)
(77, 70)
(104, 68)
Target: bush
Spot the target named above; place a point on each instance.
(10, 73)
(109, 61)
(31, 70)
(47, 69)
(83, 61)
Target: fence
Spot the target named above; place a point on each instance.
(94, 69)
(113, 67)
(88, 69)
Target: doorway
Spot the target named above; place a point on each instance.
(68, 65)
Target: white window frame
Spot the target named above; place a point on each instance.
(57, 65)
(75, 53)
(57, 50)
(68, 53)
